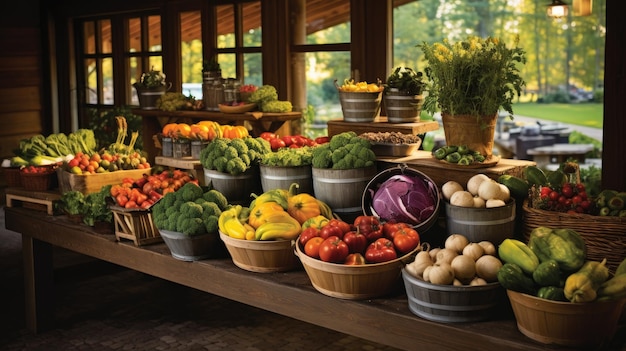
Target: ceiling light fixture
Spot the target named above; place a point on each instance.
(557, 9)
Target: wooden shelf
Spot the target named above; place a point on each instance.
(380, 124)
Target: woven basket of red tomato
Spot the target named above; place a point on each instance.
(39, 178)
(356, 260)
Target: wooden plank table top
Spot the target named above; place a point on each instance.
(380, 124)
(559, 153)
(386, 320)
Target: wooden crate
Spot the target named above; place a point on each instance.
(93, 183)
(135, 225)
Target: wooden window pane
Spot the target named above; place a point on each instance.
(107, 81)
(154, 33)
(105, 37)
(134, 35)
(89, 38)
(91, 82)
(225, 26)
(191, 51)
(253, 69)
(252, 24)
(328, 22)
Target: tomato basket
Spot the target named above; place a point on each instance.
(42, 180)
(354, 282)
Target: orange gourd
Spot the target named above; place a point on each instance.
(215, 129)
(233, 132)
(169, 130)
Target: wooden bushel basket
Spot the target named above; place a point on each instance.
(591, 325)
(361, 107)
(449, 303)
(261, 256)
(354, 282)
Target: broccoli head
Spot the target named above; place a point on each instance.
(231, 153)
(341, 139)
(219, 164)
(191, 209)
(239, 145)
(172, 220)
(217, 197)
(210, 224)
(236, 166)
(190, 226)
(210, 209)
(322, 156)
(190, 191)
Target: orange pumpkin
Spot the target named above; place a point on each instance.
(302, 207)
(233, 132)
(199, 131)
(169, 130)
(215, 129)
(183, 130)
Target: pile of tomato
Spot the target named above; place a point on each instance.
(147, 190)
(569, 197)
(367, 240)
(31, 169)
(293, 141)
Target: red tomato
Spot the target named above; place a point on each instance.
(391, 227)
(322, 139)
(344, 226)
(277, 143)
(567, 190)
(406, 240)
(333, 249)
(369, 226)
(121, 200)
(312, 247)
(330, 230)
(355, 259)
(288, 139)
(307, 234)
(268, 136)
(357, 242)
(554, 195)
(381, 250)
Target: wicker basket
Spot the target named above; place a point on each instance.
(39, 181)
(12, 176)
(261, 256)
(591, 325)
(354, 282)
(605, 236)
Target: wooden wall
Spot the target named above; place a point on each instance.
(21, 85)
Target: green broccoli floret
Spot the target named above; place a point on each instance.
(276, 106)
(217, 197)
(239, 145)
(191, 209)
(210, 209)
(246, 159)
(231, 153)
(361, 142)
(210, 224)
(347, 162)
(190, 226)
(339, 154)
(257, 147)
(160, 220)
(212, 152)
(264, 93)
(172, 219)
(219, 164)
(236, 166)
(366, 154)
(168, 200)
(322, 156)
(190, 191)
(341, 139)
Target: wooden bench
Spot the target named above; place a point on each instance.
(559, 153)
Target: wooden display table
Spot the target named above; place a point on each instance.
(440, 172)
(559, 153)
(386, 320)
(154, 120)
(380, 124)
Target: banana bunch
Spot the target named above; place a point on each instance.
(615, 287)
(234, 223)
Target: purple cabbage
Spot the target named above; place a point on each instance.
(405, 198)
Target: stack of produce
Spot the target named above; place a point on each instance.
(118, 156)
(146, 191)
(233, 156)
(459, 154)
(173, 101)
(460, 262)
(344, 151)
(351, 86)
(266, 97)
(480, 192)
(278, 214)
(203, 130)
(191, 210)
(365, 241)
(553, 265)
(291, 141)
(40, 150)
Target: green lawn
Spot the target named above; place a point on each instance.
(584, 114)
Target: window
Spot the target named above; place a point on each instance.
(97, 62)
(143, 51)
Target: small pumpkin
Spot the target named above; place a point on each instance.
(302, 207)
(233, 132)
(215, 129)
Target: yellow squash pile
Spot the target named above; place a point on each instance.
(275, 214)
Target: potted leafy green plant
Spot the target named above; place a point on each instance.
(211, 69)
(403, 95)
(150, 87)
(469, 81)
